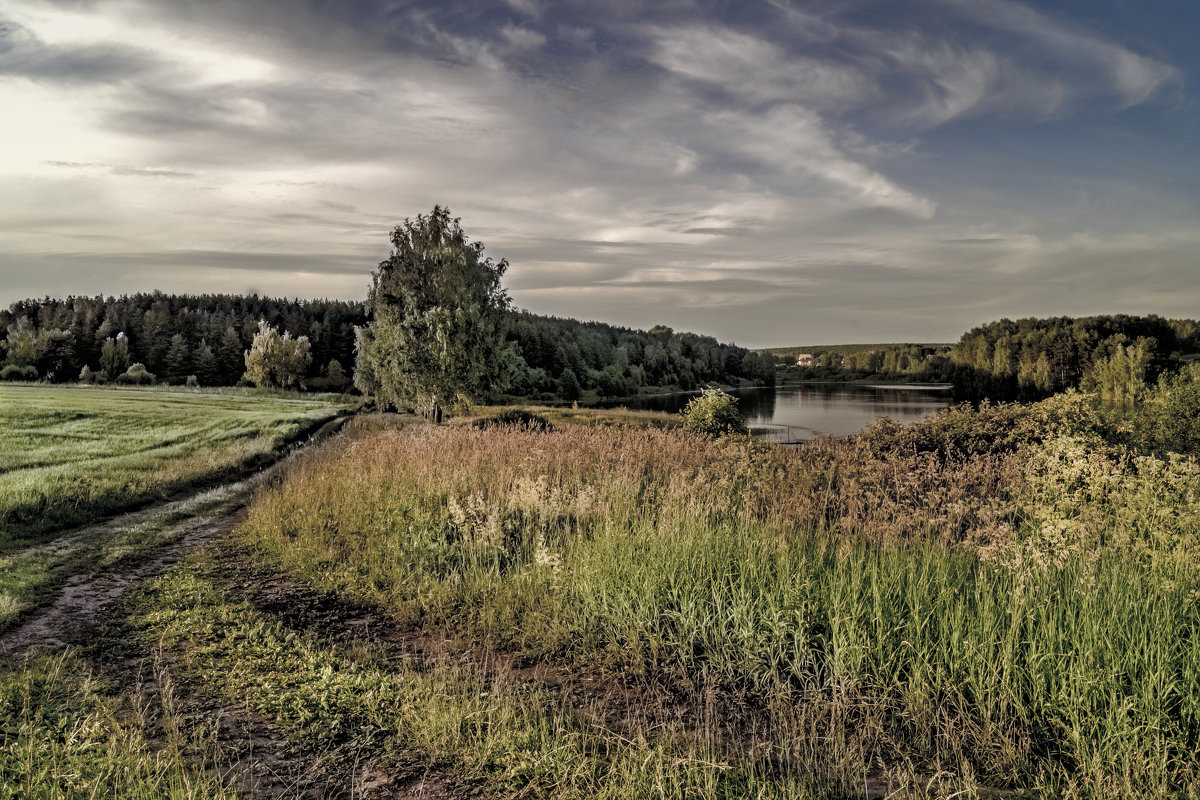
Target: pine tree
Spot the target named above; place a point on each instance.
(179, 358)
(230, 356)
(335, 376)
(568, 384)
(206, 365)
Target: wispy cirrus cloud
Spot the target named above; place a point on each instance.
(638, 162)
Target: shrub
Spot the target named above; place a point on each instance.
(713, 413)
(1170, 420)
(516, 418)
(137, 375)
(14, 373)
(87, 376)
(192, 382)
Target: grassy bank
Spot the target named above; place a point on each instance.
(65, 733)
(998, 600)
(355, 707)
(993, 598)
(70, 455)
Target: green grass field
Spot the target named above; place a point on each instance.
(69, 455)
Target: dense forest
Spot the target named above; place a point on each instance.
(565, 357)
(1117, 355)
(173, 336)
(1027, 359)
(843, 361)
(207, 336)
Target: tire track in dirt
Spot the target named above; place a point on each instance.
(81, 598)
(257, 762)
(587, 700)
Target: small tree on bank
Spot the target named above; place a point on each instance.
(714, 412)
(438, 319)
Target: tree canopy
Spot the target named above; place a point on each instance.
(275, 360)
(439, 316)
(714, 413)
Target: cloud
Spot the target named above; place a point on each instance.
(790, 139)
(1134, 77)
(734, 170)
(522, 38)
(752, 69)
(1050, 65)
(529, 7)
(121, 169)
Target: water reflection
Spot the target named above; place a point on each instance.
(803, 413)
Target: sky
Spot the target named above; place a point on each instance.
(764, 171)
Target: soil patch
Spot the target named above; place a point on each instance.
(75, 605)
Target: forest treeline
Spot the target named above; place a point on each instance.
(564, 357)
(839, 361)
(1118, 356)
(207, 336)
(174, 336)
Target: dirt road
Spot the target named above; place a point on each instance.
(199, 518)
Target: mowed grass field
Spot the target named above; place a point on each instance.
(69, 455)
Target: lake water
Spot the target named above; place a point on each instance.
(804, 413)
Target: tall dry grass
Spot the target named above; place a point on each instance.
(887, 604)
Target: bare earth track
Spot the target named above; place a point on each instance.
(83, 598)
(254, 759)
(85, 595)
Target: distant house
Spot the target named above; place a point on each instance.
(804, 360)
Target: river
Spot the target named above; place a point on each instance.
(801, 413)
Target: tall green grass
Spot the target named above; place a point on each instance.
(887, 605)
(347, 707)
(64, 735)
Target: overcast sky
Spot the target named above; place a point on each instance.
(766, 172)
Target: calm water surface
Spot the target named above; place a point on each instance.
(803, 413)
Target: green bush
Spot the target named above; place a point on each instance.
(1170, 419)
(14, 373)
(136, 375)
(714, 412)
(516, 418)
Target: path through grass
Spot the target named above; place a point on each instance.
(70, 455)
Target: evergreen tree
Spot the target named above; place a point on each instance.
(335, 376)
(206, 365)
(568, 384)
(230, 356)
(179, 358)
